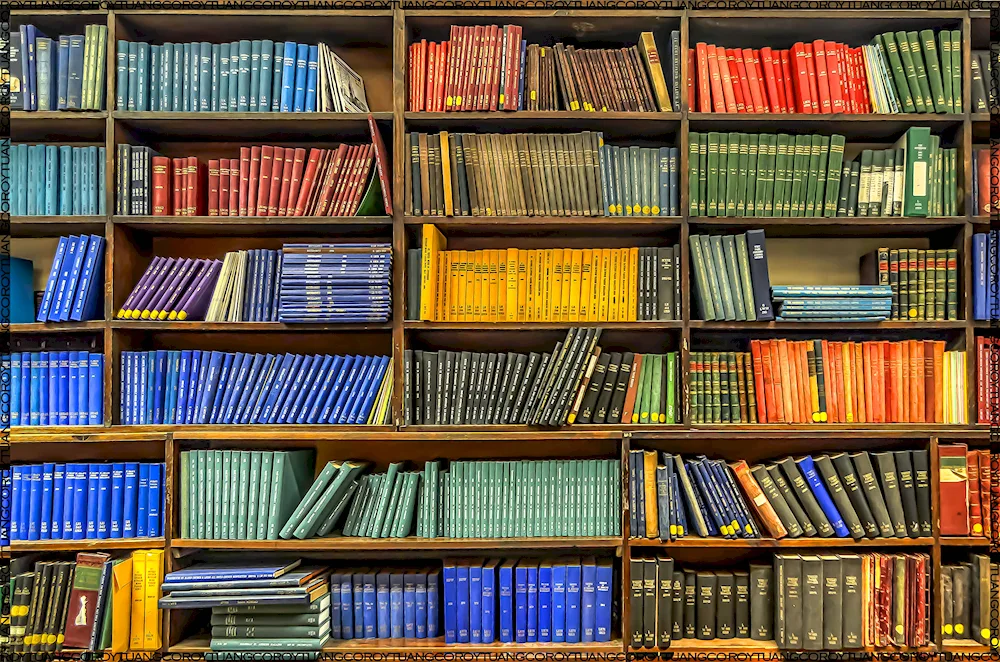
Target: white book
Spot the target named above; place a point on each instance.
(219, 293)
(350, 86)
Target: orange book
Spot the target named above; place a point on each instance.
(917, 404)
(764, 509)
(512, 275)
(929, 399)
(795, 380)
(614, 284)
(522, 284)
(555, 285)
(567, 285)
(787, 386)
(838, 380)
(866, 352)
(624, 278)
(476, 297)
(541, 285)
(878, 383)
(633, 384)
(891, 409)
(859, 383)
(831, 404)
(904, 381)
(758, 380)
(847, 368)
(938, 381)
(441, 290)
(772, 361)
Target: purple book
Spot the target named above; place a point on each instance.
(126, 309)
(160, 292)
(203, 272)
(168, 287)
(184, 279)
(196, 305)
(151, 287)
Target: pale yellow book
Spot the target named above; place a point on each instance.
(449, 205)
(121, 605)
(586, 263)
(432, 242)
(949, 396)
(152, 639)
(555, 285)
(529, 278)
(477, 286)
(377, 414)
(633, 285)
(522, 285)
(138, 625)
(493, 285)
(511, 305)
(545, 305)
(501, 285)
(614, 284)
(601, 281)
(564, 299)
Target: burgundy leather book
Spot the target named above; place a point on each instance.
(954, 489)
(277, 165)
(224, 187)
(86, 600)
(382, 161)
(213, 187)
(286, 180)
(254, 181)
(264, 178)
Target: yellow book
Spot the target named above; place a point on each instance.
(632, 285)
(138, 625)
(477, 286)
(529, 278)
(441, 291)
(458, 267)
(121, 604)
(602, 284)
(574, 286)
(949, 393)
(493, 281)
(623, 284)
(432, 242)
(484, 286)
(647, 47)
(567, 262)
(151, 637)
(558, 269)
(595, 285)
(649, 480)
(501, 285)
(614, 284)
(470, 286)
(451, 291)
(545, 311)
(511, 304)
(848, 364)
(522, 285)
(586, 261)
(449, 205)
(384, 392)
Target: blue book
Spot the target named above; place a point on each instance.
(117, 499)
(382, 604)
(395, 606)
(253, 399)
(194, 76)
(89, 289)
(220, 392)
(62, 388)
(462, 606)
(224, 50)
(101, 173)
(272, 388)
(153, 519)
(45, 509)
(980, 281)
(259, 369)
(185, 77)
(17, 487)
(15, 389)
(204, 77)
(559, 603)
(433, 602)
(545, 602)
(248, 368)
(51, 284)
(602, 601)
(521, 603)
(312, 76)
(58, 503)
(266, 74)
(308, 378)
(346, 607)
(367, 400)
(573, 601)
(148, 385)
(62, 72)
(475, 603)
(177, 87)
(278, 67)
(183, 376)
(93, 482)
(368, 606)
(288, 69)
(166, 76)
(81, 506)
(142, 506)
(301, 69)
(234, 74)
(312, 413)
(154, 70)
(237, 370)
(335, 580)
(420, 605)
(194, 384)
(67, 279)
(354, 399)
(588, 599)
(410, 605)
(532, 610)
(46, 62)
(142, 77)
(103, 520)
(293, 379)
(254, 92)
(44, 407)
(449, 573)
(211, 383)
(170, 387)
(488, 583)
(343, 387)
(51, 178)
(52, 387)
(29, 33)
(216, 74)
(818, 488)
(505, 582)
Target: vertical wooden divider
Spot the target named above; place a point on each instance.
(399, 154)
(626, 550)
(938, 605)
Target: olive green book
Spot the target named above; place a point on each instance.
(800, 175)
(253, 487)
(329, 497)
(716, 376)
(655, 389)
(719, 259)
(930, 287)
(956, 69)
(733, 276)
(742, 170)
(732, 174)
(291, 474)
(944, 50)
(704, 294)
(767, 154)
(712, 193)
(671, 413)
(921, 284)
(913, 83)
(734, 392)
(703, 175)
(940, 283)
(210, 480)
(932, 61)
(642, 403)
(817, 173)
(724, 374)
(714, 279)
(308, 501)
(197, 494)
(405, 517)
(264, 493)
(382, 506)
(913, 283)
(185, 494)
(750, 190)
(951, 300)
(934, 177)
(225, 506)
(780, 168)
(242, 495)
(723, 173)
(916, 52)
(395, 503)
(834, 175)
(694, 174)
(900, 64)
(743, 260)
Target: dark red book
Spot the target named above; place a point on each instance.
(495, 68)
(444, 57)
(833, 67)
(162, 190)
(382, 164)
(213, 187)
(478, 68)
(429, 83)
(361, 181)
(449, 69)
(345, 183)
(715, 78)
(770, 79)
(277, 165)
(200, 174)
(315, 186)
(954, 489)
(305, 185)
(462, 67)
(332, 177)
(178, 184)
(191, 182)
(253, 184)
(411, 77)
(234, 187)
(295, 186)
(489, 55)
(263, 179)
(224, 187)
(86, 597)
(244, 180)
(822, 76)
(286, 180)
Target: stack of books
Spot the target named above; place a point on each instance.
(489, 67)
(175, 387)
(56, 180)
(74, 291)
(965, 596)
(247, 288)
(924, 283)
(901, 72)
(832, 303)
(968, 486)
(816, 381)
(78, 501)
(983, 94)
(284, 591)
(95, 603)
(67, 73)
(172, 288)
(731, 279)
(572, 174)
(386, 603)
(335, 283)
(57, 388)
(242, 76)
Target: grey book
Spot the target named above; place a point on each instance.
(873, 493)
(889, 483)
(761, 602)
(812, 602)
(908, 492)
(806, 497)
(832, 603)
(839, 495)
(742, 586)
(635, 602)
(852, 486)
(922, 483)
(725, 613)
(852, 599)
(532, 362)
(947, 602)
(677, 605)
(961, 576)
(793, 502)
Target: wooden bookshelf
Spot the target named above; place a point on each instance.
(374, 41)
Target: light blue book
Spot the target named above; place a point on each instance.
(288, 77)
(142, 77)
(216, 55)
(278, 69)
(205, 77)
(784, 291)
(121, 76)
(101, 173)
(224, 77)
(65, 180)
(154, 69)
(51, 179)
(186, 78)
(301, 71)
(255, 49)
(312, 76)
(166, 76)
(266, 74)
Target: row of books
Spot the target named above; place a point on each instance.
(965, 599)
(731, 280)
(95, 603)
(538, 174)
(247, 288)
(489, 67)
(816, 381)
(986, 275)
(257, 75)
(390, 603)
(172, 289)
(335, 283)
(923, 283)
(739, 174)
(77, 501)
(56, 388)
(968, 487)
(902, 72)
(175, 387)
(66, 73)
(75, 287)
(56, 180)
(825, 303)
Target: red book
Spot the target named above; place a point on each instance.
(489, 52)
(361, 182)
(420, 80)
(286, 180)
(81, 622)
(722, 58)
(848, 73)
(772, 396)
(953, 489)
(788, 105)
(479, 46)
(347, 194)
(234, 187)
(263, 178)
(975, 504)
(754, 100)
(213, 187)
(244, 179)
(704, 79)
(837, 381)
(444, 57)
(411, 76)
(253, 183)
(427, 82)
(761, 84)
(162, 190)
(822, 75)
(305, 185)
(465, 68)
(758, 379)
(833, 67)
(178, 184)
(506, 58)
(770, 79)
(295, 185)
(813, 84)
(223, 187)
(741, 86)
(803, 103)
(331, 180)
(277, 163)
(718, 97)
(982, 370)
(805, 397)
(498, 45)
(985, 480)
(345, 182)
(192, 186)
(382, 164)
(734, 76)
(690, 81)
(450, 71)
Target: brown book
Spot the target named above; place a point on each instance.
(554, 172)
(511, 176)
(454, 165)
(565, 85)
(629, 71)
(501, 176)
(625, 89)
(474, 167)
(425, 196)
(408, 182)
(640, 75)
(530, 69)
(755, 496)
(603, 88)
(579, 78)
(575, 143)
(468, 153)
(345, 181)
(517, 174)
(567, 158)
(489, 201)
(527, 174)
(534, 164)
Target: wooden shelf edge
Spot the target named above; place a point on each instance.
(827, 117)
(787, 543)
(55, 115)
(964, 541)
(536, 221)
(238, 327)
(827, 326)
(89, 543)
(200, 644)
(139, 116)
(359, 544)
(98, 435)
(750, 646)
(537, 326)
(501, 115)
(58, 327)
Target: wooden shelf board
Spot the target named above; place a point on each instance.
(910, 118)
(897, 325)
(33, 432)
(538, 326)
(540, 118)
(200, 644)
(809, 227)
(753, 646)
(252, 225)
(980, 117)
(588, 431)
(55, 226)
(964, 541)
(243, 327)
(260, 432)
(99, 435)
(225, 127)
(517, 226)
(56, 115)
(58, 327)
(62, 126)
(963, 646)
(358, 544)
(81, 545)
(771, 543)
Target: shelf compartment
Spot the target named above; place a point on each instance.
(616, 126)
(896, 325)
(64, 126)
(200, 644)
(853, 127)
(815, 227)
(964, 541)
(253, 226)
(539, 326)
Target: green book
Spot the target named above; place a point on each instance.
(185, 494)
(956, 69)
(743, 259)
(329, 498)
(834, 176)
(733, 276)
(930, 286)
(253, 489)
(711, 271)
(201, 461)
(90, 47)
(210, 494)
(382, 505)
(291, 473)
(781, 175)
(264, 493)
(242, 494)
(406, 517)
(941, 284)
(394, 504)
(703, 174)
(309, 499)
(918, 63)
(913, 284)
(913, 82)
(725, 289)
(933, 63)
(723, 370)
(656, 391)
(224, 502)
(350, 523)
(735, 416)
(712, 202)
(813, 176)
(642, 392)
(921, 285)
(694, 173)
(934, 178)
(750, 192)
(732, 174)
(900, 64)
(799, 172)
(767, 153)
(716, 386)
(876, 181)
(944, 48)
(742, 168)
(650, 181)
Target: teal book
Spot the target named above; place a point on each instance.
(243, 87)
(205, 77)
(234, 75)
(278, 63)
(121, 77)
(216, 73)
(266, 75)
(719, 259)
(177, 79)
(65, 180)
(186, 78)
(194, 77)
(166, 76)
(254, 88)
(142, 77)
(101, 173)
(51, 177)
(224, 77)
(291, 475)
(154, 79)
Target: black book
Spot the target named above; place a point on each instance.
(531, 368)
(501, 376)
(677, 289)
(812, 603)
(833, 606)
(545, 375)
(873, 492)
(63, 605)
(690, 605)
(665, 278)
(408, 387)
(60, 572)
(961, 577)
(677, 606)
(725, 608)
(419, 391)
(567, 393)
(889, 483)
(23, 589)
(649, 603)
(462, 387)
(922, 483)
(474, 384)
(493, 359)
(413, 283)
(635, 602)
(511, 389)
(621, 387)
(446, 366)
(794, 506)
(947, 602)
(851, 569)
(39, 601)
(908, 492)
(607, 389)
(806, 497)
(827, 471)
(430, 384)
(776, 500)
(980, 102)
(849, 481)
(664, 601)
(557, 369)
(705, 583)
(594, 389)
(791, 584)
(761, 602)
(742, 584)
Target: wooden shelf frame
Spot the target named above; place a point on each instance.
(112, 126)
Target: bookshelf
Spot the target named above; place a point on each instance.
(374, 42)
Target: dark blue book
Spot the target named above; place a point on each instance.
(104, 501)
(62, 72)
(117, 499)
(574, 580)
(588, 600)
(93, 482)
(81, 487)
(757, 249)
(301, 72)
(488, 592)
(815, 482)
(532, 607)
(462, 604)
(521, 603)
(346, 607)
(602, 602)
(142, 510)
(58, 502)
(45, 510)
(558, 603)
(545, 602)
(433, 603)
(410, 605)
(130, 507)
(155, 501)
(449, 575)
(396, 622)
